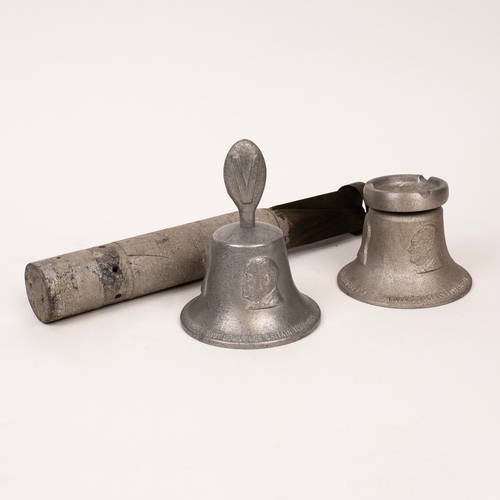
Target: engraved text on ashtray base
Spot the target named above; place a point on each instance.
(458, 288)
(352, 288)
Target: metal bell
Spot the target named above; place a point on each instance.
(248, 298)
(403, 261)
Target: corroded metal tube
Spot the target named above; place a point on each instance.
(88, 279)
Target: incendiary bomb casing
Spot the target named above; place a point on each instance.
(403, 261)
(88, 279)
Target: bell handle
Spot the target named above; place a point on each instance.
(245, 179)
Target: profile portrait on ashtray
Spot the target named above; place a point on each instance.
(260, 283)
(424, 251)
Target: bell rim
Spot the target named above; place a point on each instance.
(311, 305)
(409, 304)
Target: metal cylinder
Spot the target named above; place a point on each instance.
(84, 280)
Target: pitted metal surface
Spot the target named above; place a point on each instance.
(248, 298)
(403, 261)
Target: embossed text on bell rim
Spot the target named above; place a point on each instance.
(299, 328)
(349, 285)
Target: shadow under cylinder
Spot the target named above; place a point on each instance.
(403, 261)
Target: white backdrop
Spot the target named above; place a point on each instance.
(115, 119)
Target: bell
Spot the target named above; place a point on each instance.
(403, 261)
(248, 298)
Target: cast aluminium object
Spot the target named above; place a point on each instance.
(248, 298)
(107, 274)
(403, 261)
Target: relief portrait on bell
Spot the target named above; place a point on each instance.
(424, 250)
(260, 283)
